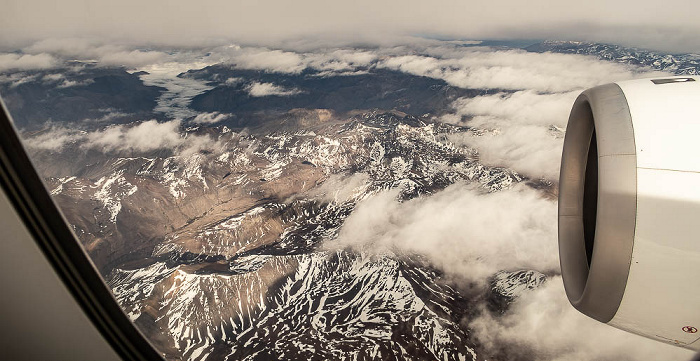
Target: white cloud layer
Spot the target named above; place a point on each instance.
(542, 325)
(55, 138)
(524, 127)
(257, 89)
(12, 61)
(524, 111)
(464, 231)
(511, 69)
(139, 137)
(210, 118)
(528, 106)
(145, 136)
(534, 151)
(331, 60)
(470, 235)
(92, 49)
(527, 129)
(269, 60)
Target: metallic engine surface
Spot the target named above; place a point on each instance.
(597, 289)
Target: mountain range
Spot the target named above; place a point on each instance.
(223, 248)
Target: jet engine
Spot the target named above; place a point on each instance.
(629, 207)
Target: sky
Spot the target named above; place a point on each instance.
(663, 25)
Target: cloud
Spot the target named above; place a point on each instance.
(534, 151)
(527, 93)
(470, 235)
(480, 68)
(26, 61)
(194, 144)
(523, 127)
(329, 60)
(526, 129)
(233, 81)
(109, 114)
(257, 89)
(269, 60)
(466, 67)
(210, 118)
(149, 136)
(68, 47)
(108, 54)
(139, 137)
(341, 60)
(542, 325)
(71, 83)
(132, 59)
(174, 61)
(466, 232)
(523, 107)
(53, 139)
(145, 136)
(54, 77)
(61, 81)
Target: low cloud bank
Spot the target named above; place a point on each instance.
(523, 112)
(527, 106)
(91, 49)
(54, 139)
(542, 325)
(534, 151)
(210, 118)
(468, 233)
(141, 137)
(511, 69)
(51, 52)
(522, 129)
(256, 89)
(330, 60)
(10, 61)
(466, 67)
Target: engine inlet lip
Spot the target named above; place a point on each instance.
(595, 270)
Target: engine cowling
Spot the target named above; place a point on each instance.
(629, 207)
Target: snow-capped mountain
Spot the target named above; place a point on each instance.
(230, 259)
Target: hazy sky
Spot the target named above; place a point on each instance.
(665, 25)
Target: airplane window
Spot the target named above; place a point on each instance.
(297, 193)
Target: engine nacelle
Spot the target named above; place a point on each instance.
(629, 207)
